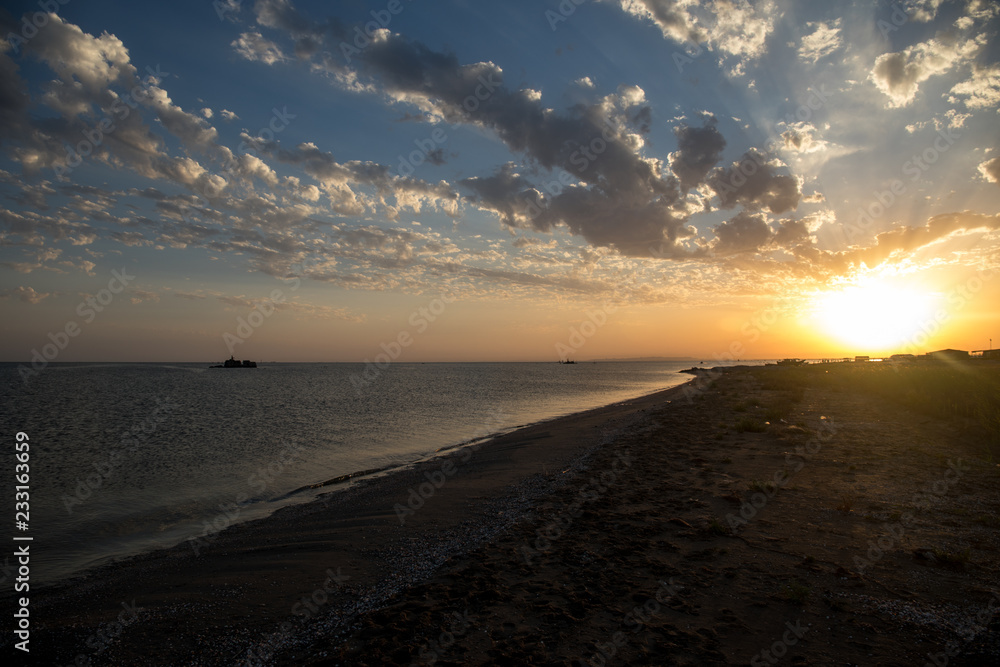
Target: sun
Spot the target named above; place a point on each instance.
(874, 316)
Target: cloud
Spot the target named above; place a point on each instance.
(253, 46)
(990, 170)
(901, 241)
(25, 294)
(207, 113)
(598, 146)
(922, 10)
(228, 115)
(899, 75)
(512, 197)
(980, 91)
(83, 63)
(791, 233)
(698, 150)
(746, 232)
(823, 41)
(799, 138)
(754, 182)
(734, 27)
(137, 296)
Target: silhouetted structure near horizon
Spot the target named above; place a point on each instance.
(236, 363)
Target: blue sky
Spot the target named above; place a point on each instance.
(691, 162)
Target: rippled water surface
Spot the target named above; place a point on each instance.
(129, 457)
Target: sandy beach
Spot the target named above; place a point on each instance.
(734, 520)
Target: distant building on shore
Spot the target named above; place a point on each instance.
(948, 355)
(862, 357)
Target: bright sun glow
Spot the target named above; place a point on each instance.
(874, 316)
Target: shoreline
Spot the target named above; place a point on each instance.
(772, 517)
(356, 531)
(306, 489)
(777, 518)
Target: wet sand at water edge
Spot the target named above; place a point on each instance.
(739, 519)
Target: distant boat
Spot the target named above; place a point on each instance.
(566, 361)
(236, 363)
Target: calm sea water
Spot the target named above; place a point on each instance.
(128, 457)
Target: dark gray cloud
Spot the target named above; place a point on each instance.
(791, 233)
(508, 194)
(745, 232)
(698, 150)
(612, 196)
(755, 183)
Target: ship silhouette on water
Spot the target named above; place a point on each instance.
(236, 363)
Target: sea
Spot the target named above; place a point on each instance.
(128, 458)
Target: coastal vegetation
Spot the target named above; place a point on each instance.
(964, 393)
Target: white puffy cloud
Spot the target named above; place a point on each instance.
(899, 75)
(253, 46)
(81, 60)
(821, 42)
(980, 91)
(990, 170)
(737, 28)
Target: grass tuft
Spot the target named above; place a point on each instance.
(797, 592)
(750, 425)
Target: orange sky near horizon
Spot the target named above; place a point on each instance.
(754, 179)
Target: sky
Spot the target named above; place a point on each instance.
(484, 181)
